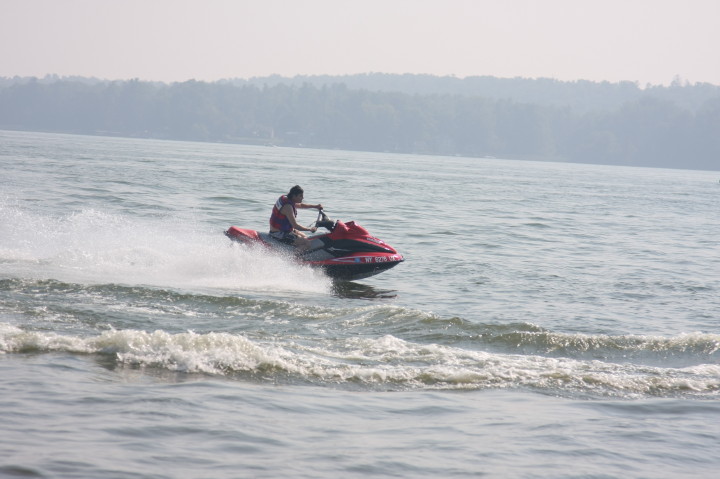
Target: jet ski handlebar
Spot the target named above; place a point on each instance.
(323, 221)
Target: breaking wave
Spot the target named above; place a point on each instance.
(389, 362)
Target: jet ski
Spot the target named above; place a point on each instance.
(347, 252)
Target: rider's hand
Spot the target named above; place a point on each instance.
(319, 207)
(313, 229)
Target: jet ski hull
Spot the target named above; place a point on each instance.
(347, 253)
(358, 266)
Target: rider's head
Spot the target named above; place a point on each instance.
(296, 193)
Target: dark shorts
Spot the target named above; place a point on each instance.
(284, 236)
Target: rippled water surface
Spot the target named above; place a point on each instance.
(550, 320)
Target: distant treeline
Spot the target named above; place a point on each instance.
(676, 126)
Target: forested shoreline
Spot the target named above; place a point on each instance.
(676, 126)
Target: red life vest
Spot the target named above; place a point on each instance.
(279, 221)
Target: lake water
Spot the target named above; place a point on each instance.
(550, 320)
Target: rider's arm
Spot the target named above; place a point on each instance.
(304, 205)
(288, 212)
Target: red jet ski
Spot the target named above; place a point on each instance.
(347, 252)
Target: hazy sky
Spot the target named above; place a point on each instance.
(648, 41)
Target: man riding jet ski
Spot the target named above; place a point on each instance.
(348, 252)
(283, 225)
